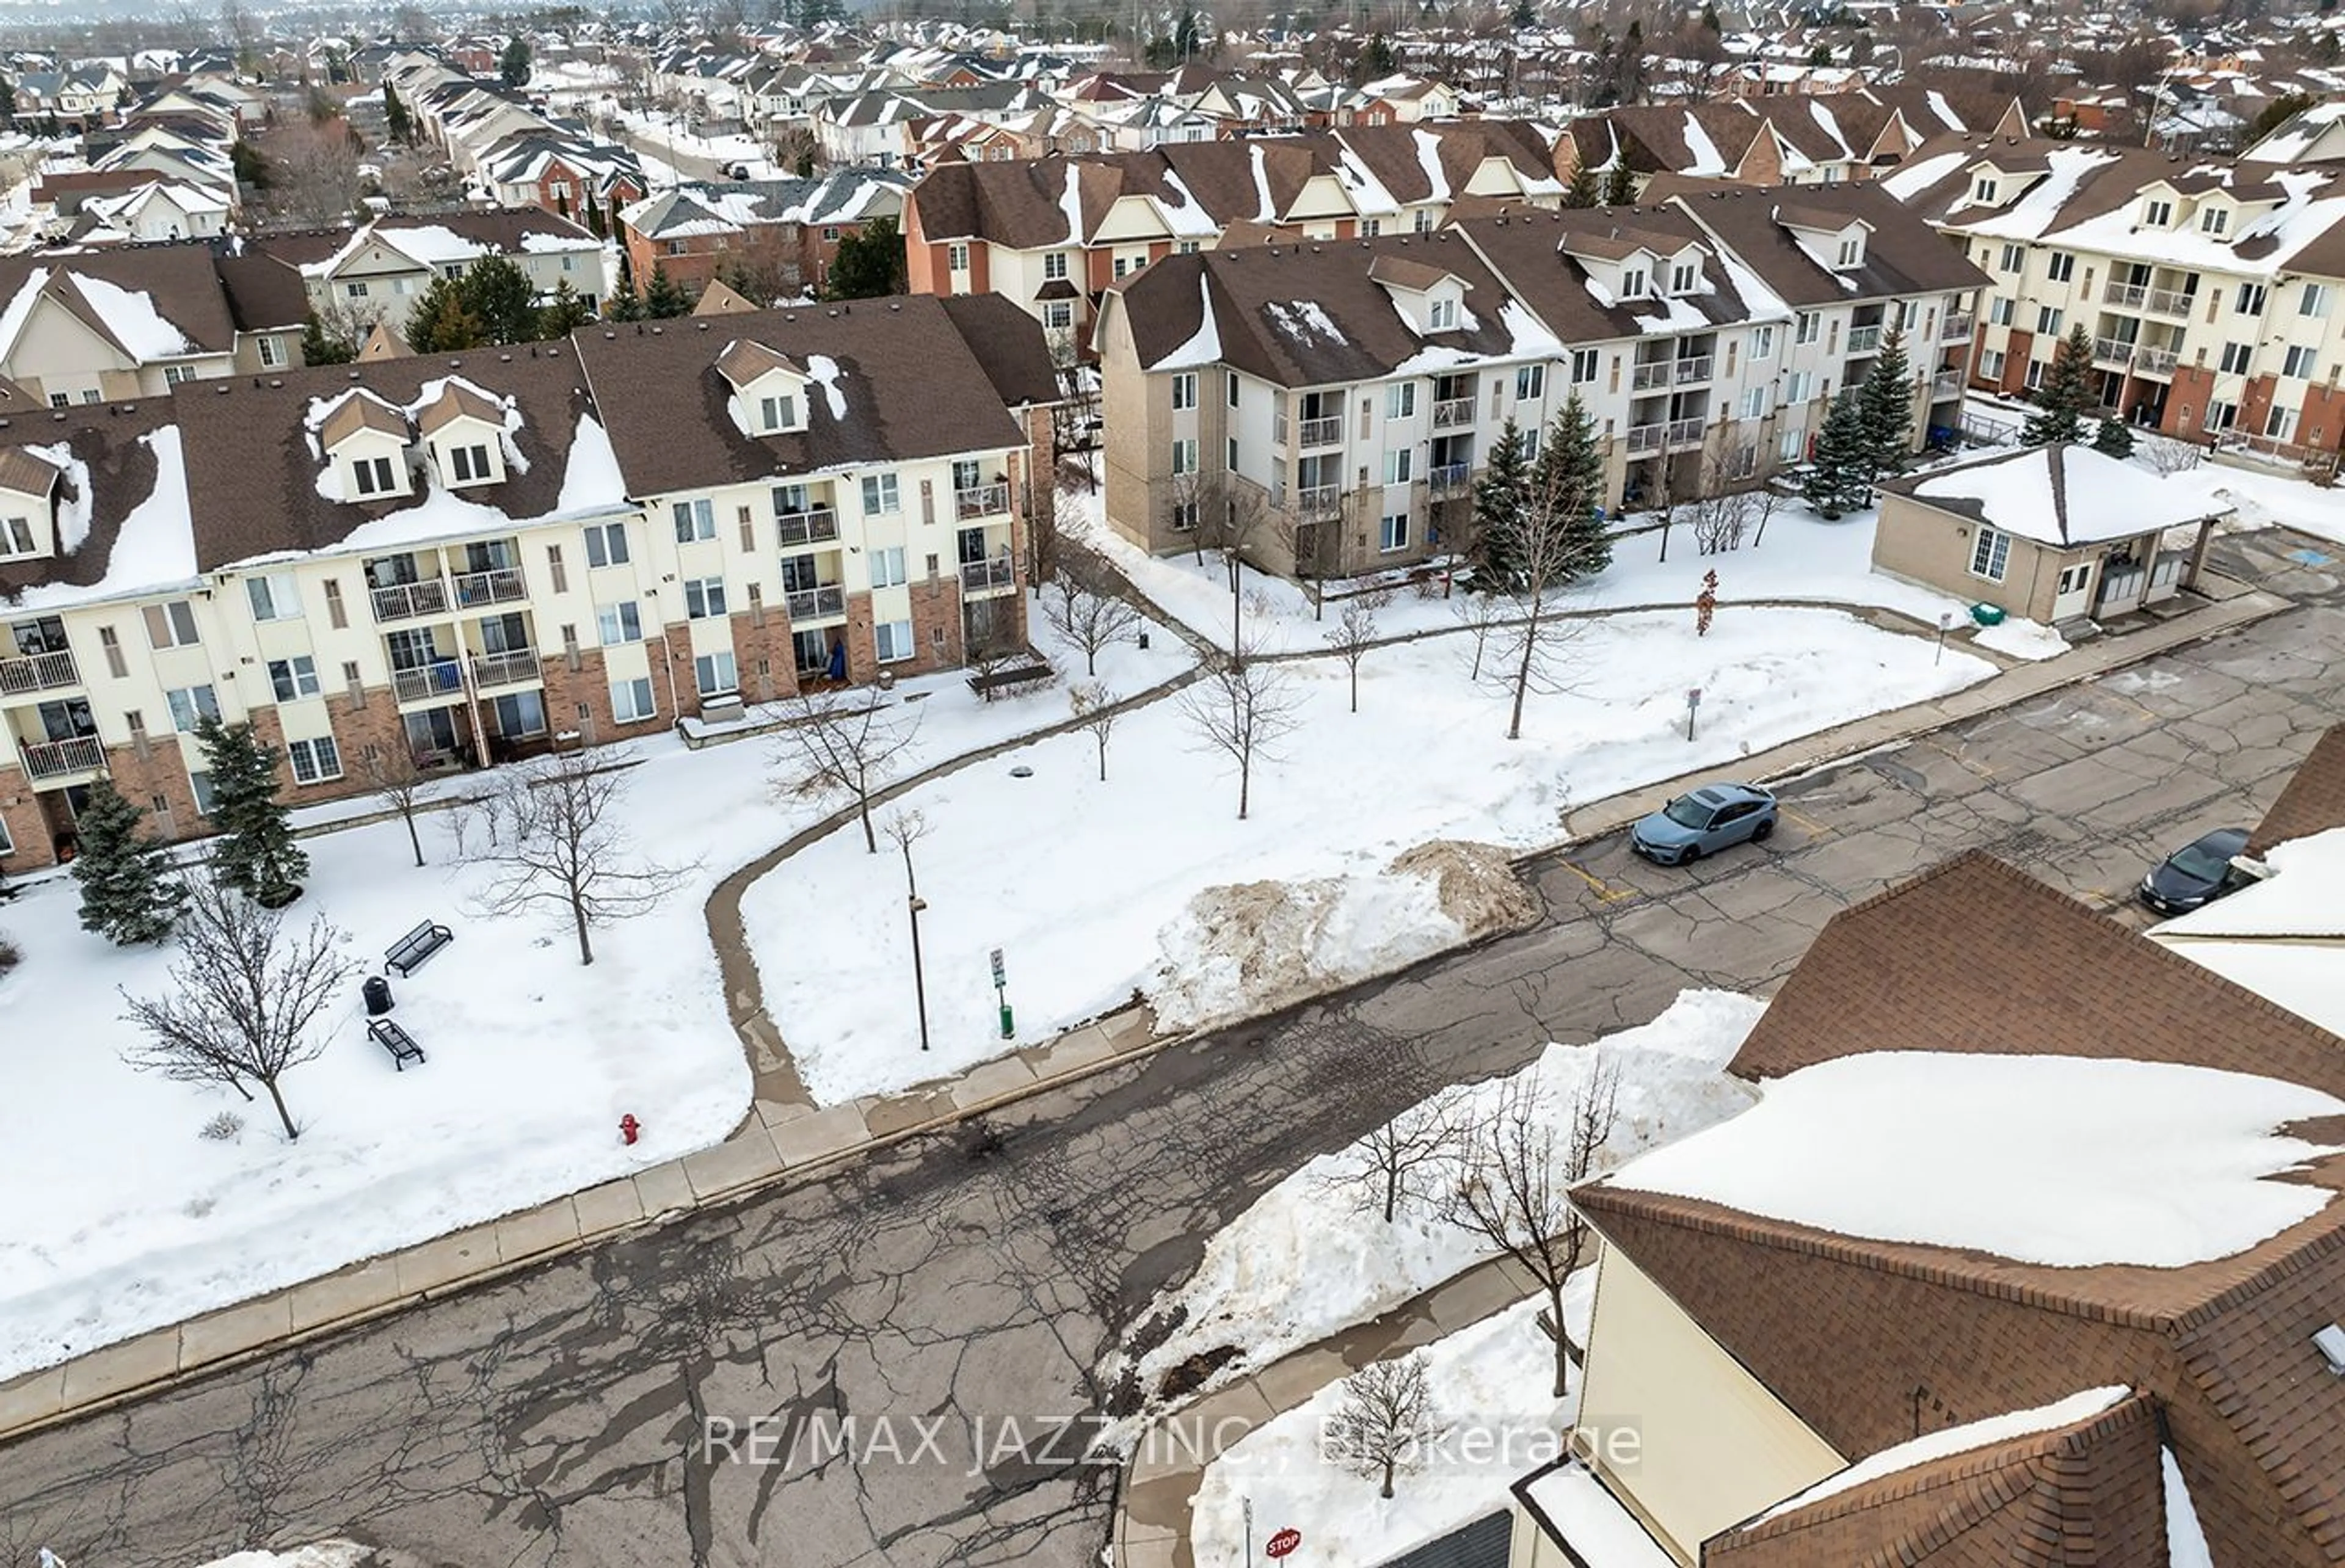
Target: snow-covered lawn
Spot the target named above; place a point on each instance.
(2268, 498)
(2020, 638)
(121, 1216)
(676, 135)
(1086, 886)
(1305, 1262)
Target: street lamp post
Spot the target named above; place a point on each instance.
(914, 904)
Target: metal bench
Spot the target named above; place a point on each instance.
(407, 955)
(397, 1041)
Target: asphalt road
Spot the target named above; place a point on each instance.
(556, 1418)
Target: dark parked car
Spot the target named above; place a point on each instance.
(2197, 873)
(1703, 821)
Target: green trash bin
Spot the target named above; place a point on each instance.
(1987, 614)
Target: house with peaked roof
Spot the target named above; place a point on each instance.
(2029, 1253)
(2056, 533)
(378, 271)
(120, 323)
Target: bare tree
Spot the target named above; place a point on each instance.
(1088, 619)
(1354, 634)
(556, 843)
(842, 743)
(1384, 1421)
(1515, 1183)
(244, 997)
(1765, 502)
(398, 783)
(2169, 456)
(1094, 710)
(1231, 519)
(1242, 708)
(1412, 1157)
(315, 177)
(1480, 614)
(1722, 513)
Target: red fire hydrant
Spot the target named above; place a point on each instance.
(629, 1129)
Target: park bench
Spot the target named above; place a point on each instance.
(1003, 680)
(407, 955)
(397, 1041)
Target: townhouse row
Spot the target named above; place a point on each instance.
(1349, 393)
(469, 558)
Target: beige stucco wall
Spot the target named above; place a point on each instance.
(1712, 1445)
(1918, 541)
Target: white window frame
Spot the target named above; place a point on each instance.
(899, 634)
(1400, 401)
(695, 520)
(273, 595)
(887, 567)
(1990, 554)
(188, 706)
(178, 618)
(1185, 457)
(1054, 266)
(315, 759)
(640, 702)
(1185, 391)
(600, 537)
(882, 496)
(704, 598)
(618, 624)
(373, 476)
(716, 674)
(1399, 465)
(299, 679)
(1392, 533)
(1530, 383)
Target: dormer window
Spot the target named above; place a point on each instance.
(1633, 283)
(1440, 315)
(16, 537)
(1983, 189)
(372, 476)
(1683, 277)
(2213, 219)
(1851, 250)
(470, 464)
(2157, 212)
(778, 412)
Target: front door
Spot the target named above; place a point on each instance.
(431, 733)
(2073, 592)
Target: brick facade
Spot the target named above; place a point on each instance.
(155, 776)
(766, 658)
(28, 827)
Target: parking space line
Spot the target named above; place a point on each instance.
(1604, 890)
(1814, 827)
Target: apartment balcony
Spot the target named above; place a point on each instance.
(1945, 386)
(37, 672)
(806, 605)
(1326, 432)
(1955, 328)
(406, 601)
(515, 667)
(63, 761)
(2124, 295)
(981, 501)
(438, 680)
(1648, 377)
(2170, 302)
(500, 585)
(1449, 479)
(1648, 438)
(1684, 432)
(987, 576)
(1864, 339)
(1319, 501)
(2113, 351)
(1452, 413)
(1695, 368)
(816, 525)
(2156, 362)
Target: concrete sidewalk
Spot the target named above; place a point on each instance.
(785, 1139)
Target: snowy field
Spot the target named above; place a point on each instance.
(533, 1059)
(670, 135)
(1087, 886)
(1303, 1263)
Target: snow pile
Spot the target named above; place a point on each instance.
(323, 1554)
(2279, 936)
(154, 545)
(2020, 638)
(2186, 1540)
(1950, 1441)
(1302, 1261)
(2157, 1163)
(1258, 945)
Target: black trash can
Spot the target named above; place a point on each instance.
(378, 995)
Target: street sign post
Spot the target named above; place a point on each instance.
(1693, 703)
(1001, 978)
(1282, 1543)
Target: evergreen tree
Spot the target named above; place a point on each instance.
(1185, 37)
(1585, 189)
(1498, 497)
(1570, 478)
(127, 891)
(317, 348)
(1524, 16)
(1620, 185)
(255, 853)
(595, 224)
(2114, 438)
(1885, 408)
(8, 103)
(665, 296)
(563, 314)
(623, 305)
(1836, 482)
(1709, 16)
(497, 293)
(869, 264)
(1376, 58)
(2066, 394)
(513, 64)
(394, 113)
(441, 324)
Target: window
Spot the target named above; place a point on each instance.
(1585, 365)
(1990, 365)
(60, 400)
(1990, 554)
(1231, 455)
(1796, 386)
(1184, 390)
(704, 597)
(15, 536)
(2214, 220)
(1681, 277)
(1185, 457)
(779, 413)
(1185, 516)
(273, 596)
(2235, 357)
(1530, 381)
(2000, 311)
(606, 544)
(1392, 533)
(200, 783)
(1235, 385)
(2013, 257)
(1851, 251)
(189, 703)
(470, 464)
(171, 625)
(1400, 401)
(293, 678)
(1808, 327)
(355, 289)
(173, 374)
(1762, 343)
(831, 234)
(1398, 465)
(694, 519)
(631, 701)
(2222, 416)
(314, 761)
(1791, 446)
(1059, 315)
(1441, 315)
(893, 639)
(1983, 189)
(1632, 283)
(2156, 212)
(272, 354)
(2047, 321)
(957, 257)
(2279, 424)
(372, 475)
(880, 496)
(2250, 301)
(2314, 300)
(2060, 266)
(2032, 377)
(1054, 266)
(522, 713)
(2299, 361)
(716, 675)
(1753, 405)
(618, 623)
(1185, 248)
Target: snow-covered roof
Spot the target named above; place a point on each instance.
(2064, 495)
(2283, 937)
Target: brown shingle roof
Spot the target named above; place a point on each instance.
(179, 277)
(357, 411)
(1009, 348)
(107, 439)
(26, 473)
(456, 401)
(744, 359)
(2314, 799)
(1901, 254)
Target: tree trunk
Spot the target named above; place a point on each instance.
(1523, 673)
(1102, 751)
(1245, 780)
(414, 839)
(1562, 1340)
(1355, 685)
(1392, 1192)
(578, 918)
(1388, 1477)
(862, 808)
(292, 1133)
(1666, 514)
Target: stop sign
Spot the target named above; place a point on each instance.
(1285, 1542)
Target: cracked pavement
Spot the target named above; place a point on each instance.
(553, 1419)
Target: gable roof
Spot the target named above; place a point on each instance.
(2064, 495)
(2312, 801)
(143, 295)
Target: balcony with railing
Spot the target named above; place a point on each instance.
(1694, 368)
(1865, 339)
(817, 603)
(2114, 351)
(981, 501)
(2156, 362)
(514, 667)
(2170, 302)
(816, 525)
(1649, 376)
(1956, 328)
(2124, 295)
(987, 576)
(406, 601)
(55, 762)
(498, 585)
(37, 672)
(436, 681)
(1946, 385)
(1450, 414)
(1648, 438)
(1326, 432)
(1685, 432)
(1319, 500)
(1449, 479)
